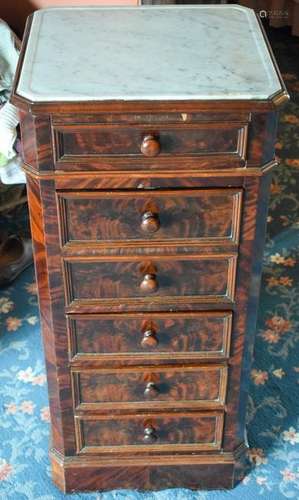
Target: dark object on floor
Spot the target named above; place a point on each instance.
(15, 257)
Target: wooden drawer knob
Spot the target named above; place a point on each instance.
(150, 146)
(149, 283)
(150, 222)
(149, 339)
(150, 435)
(151, 389)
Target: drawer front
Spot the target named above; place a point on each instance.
(204, 214)
(152, 282)
(150, 386)
(92, 141)
(149, 432)
(192, 335)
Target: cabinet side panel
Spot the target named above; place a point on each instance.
(247, 295)
(37, 142)
(48, 274)
(261, 138)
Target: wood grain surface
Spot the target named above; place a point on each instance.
(177, 335)
(102, 217)
(182, 276)
(148, 269)
(125, 434)
(150, 386)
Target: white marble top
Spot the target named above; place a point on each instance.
(147, 53)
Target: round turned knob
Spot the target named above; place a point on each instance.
(150, 222)
(149, 339)
(150, 435)
(150, 146)
(149, 283)
(151, 389)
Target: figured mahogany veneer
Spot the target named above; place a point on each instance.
(148, 223)
(91, 142)
(201, 215)
(182, 336)
(149, 282)
(150, 432)
(159, 388)
(256, 144)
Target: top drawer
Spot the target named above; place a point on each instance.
(92, 143)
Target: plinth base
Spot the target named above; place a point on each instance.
(209, 471)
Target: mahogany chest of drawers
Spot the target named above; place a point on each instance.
(148, 139)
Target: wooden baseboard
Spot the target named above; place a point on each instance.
(204, 471)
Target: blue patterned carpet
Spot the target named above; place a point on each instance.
(273, 425)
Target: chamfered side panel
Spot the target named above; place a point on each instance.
(44, 226)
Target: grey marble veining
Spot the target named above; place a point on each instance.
(148, 53)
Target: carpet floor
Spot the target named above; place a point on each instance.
(272, 416)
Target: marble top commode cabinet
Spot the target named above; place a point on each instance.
(148, 137)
